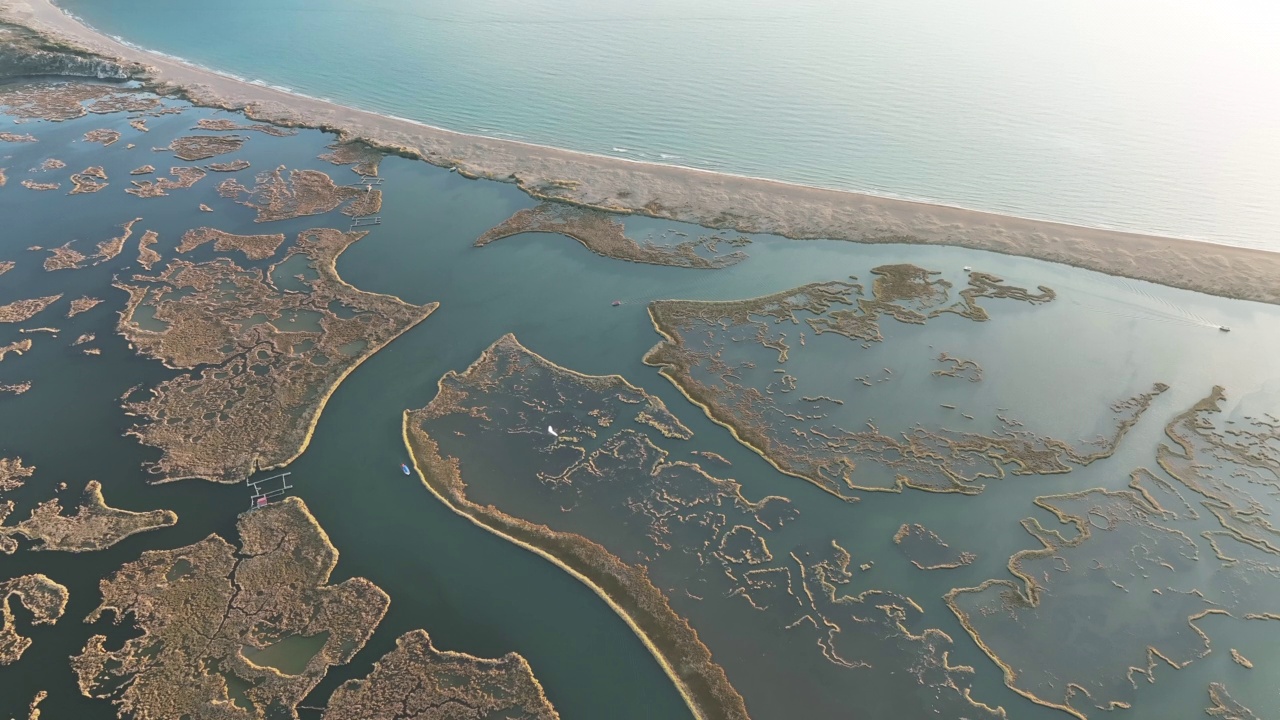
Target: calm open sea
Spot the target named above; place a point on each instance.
(1160, 116)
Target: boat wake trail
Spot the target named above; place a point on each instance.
(1137, 303)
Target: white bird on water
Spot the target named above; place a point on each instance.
(552, 431)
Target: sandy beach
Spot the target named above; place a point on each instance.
(707, 198)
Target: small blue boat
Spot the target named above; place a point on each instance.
(405, 468)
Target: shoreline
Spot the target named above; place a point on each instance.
(702, 197)
(600, 155)
(443, 481)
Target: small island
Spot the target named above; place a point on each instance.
(267, 356)
(230, 632)
(603, 234)
(418, 682)
(43, 598)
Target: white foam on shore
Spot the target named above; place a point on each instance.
(512, 137)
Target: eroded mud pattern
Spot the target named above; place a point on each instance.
(735, 359)
(959, 368)
(265, 352)
(927, 551)
(1225, 707)
(572, 465)
(1188, 539)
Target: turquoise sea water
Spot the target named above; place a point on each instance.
(1142, 115)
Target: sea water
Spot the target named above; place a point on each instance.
(1149, 115)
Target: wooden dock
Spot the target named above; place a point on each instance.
(267, 489)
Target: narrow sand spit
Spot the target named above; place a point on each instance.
(707, 198)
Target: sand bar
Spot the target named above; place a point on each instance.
(697, 196)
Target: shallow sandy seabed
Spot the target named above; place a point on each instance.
(712, 199)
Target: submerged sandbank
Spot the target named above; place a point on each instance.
(689, 195)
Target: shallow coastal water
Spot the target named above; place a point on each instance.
(1135, 115)
(1056, 366)
(432, 563)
